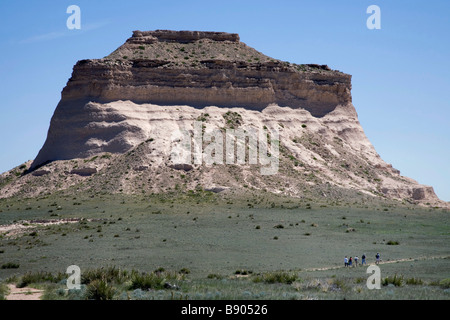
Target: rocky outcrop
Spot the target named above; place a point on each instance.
(226, 82)
(159, 82)
(214, 83)
(180, 36)
(84, 172)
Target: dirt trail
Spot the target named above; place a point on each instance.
(23, 293)
(16, 229)
(381, 262)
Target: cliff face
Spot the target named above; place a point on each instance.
(212, 83)
(160, 82)
(202, 69)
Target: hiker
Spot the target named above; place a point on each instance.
(350, 262)
(363, 261)
(356, 261)
(377, 258)
(346, 261)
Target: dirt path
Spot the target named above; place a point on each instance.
(23, 293)
(16, 229)
(382, 262)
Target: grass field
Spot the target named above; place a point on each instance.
(226, 247)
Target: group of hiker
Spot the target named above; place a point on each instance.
(348, 262)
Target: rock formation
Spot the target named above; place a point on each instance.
(130, 102)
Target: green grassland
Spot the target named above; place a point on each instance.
(215, 246)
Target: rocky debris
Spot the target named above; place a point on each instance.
(84, 172)
(181, 166)
(387, 167)
(216, 189)
(141, 168)
(414, 192)
(170, 286)
(40, 173)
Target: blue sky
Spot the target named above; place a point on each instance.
(401, 73)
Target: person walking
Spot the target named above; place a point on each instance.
(350, 262)
(345, 261)
(363, 261)
(356, 261)
(377, 258)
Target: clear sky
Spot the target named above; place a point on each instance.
(401, 72)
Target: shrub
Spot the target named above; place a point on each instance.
(392, 243)
(108, 274)
(100, 290)
(39, 277)
(414, 281)
(3, 291)
(445, 283)
(340, 284)
(154, 280)
(276, 277)
(395, 280)
(243, 272)
(185, 271)
(147, 281)
(10, 265)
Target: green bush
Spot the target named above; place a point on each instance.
(100, 290)
(243, 272)
(10, 265)
(392, 243)
(39, 277)
(108, 274)
(154, 280)
(3, 291)
(445, 283)
(397, 281)
(185, 271)
(414, 281)
(276, 277)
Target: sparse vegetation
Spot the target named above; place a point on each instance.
(10, 265)
(106, 216)
(392, 243)
(276, 277)
(397, 281)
